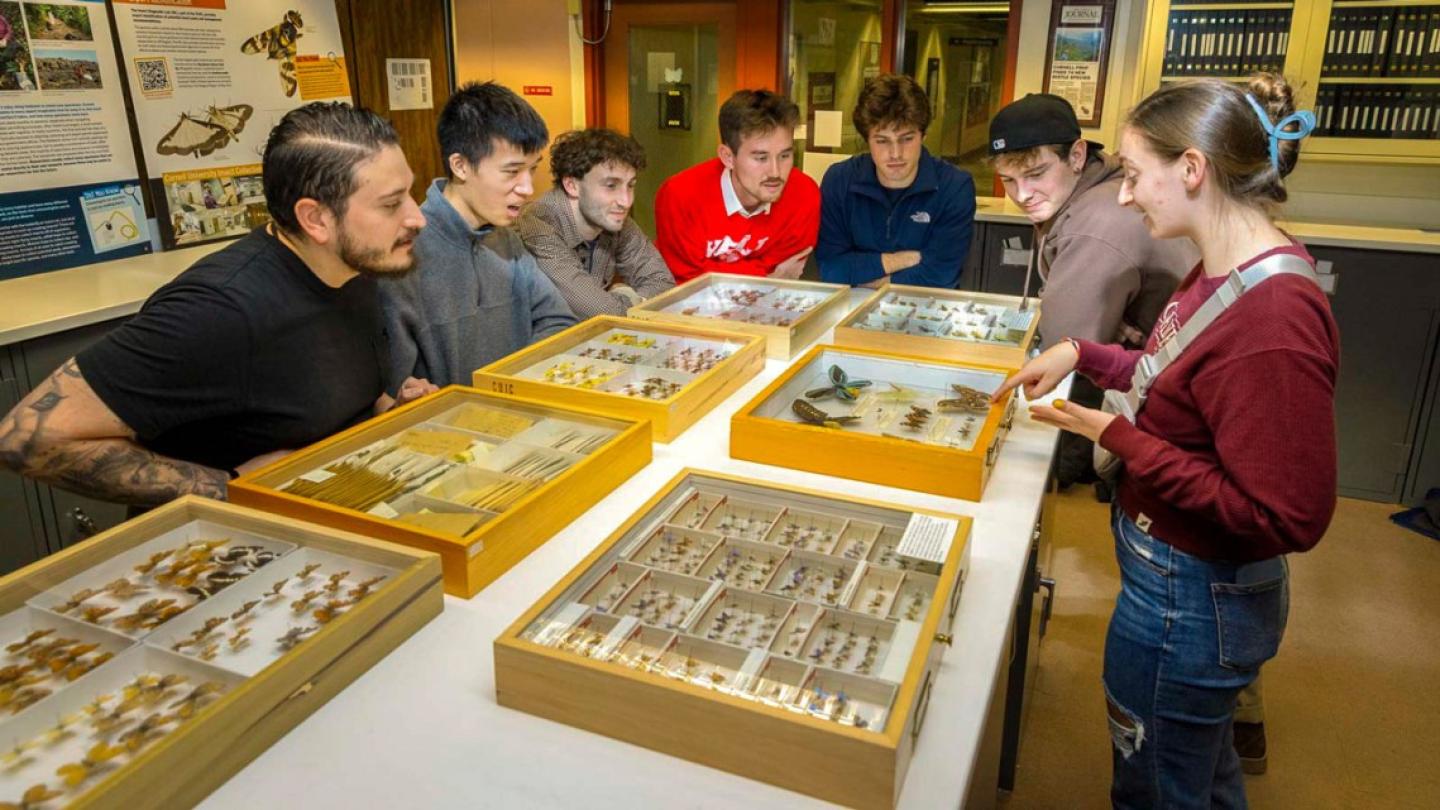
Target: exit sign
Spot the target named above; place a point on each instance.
(538, 90)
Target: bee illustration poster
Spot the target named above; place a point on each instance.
(209, 79)
(69, 186)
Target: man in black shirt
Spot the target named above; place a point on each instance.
(265, 346)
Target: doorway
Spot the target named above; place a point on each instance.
(668, 66)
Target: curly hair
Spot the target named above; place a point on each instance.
(891, 99)
(576, 152)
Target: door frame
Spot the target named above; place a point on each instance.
(615, 112)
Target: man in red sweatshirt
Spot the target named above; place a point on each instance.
(749, 210)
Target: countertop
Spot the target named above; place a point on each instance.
(422, 728)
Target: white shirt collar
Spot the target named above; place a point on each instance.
(733, 205)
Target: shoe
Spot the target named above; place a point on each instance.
(1250, 745)
(1103, 491)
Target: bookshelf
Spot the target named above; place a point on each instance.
(1369, 68)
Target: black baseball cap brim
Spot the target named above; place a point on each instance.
(1038, 119)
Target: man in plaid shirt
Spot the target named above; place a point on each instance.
(581, 233)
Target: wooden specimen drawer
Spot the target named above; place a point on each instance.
(781, 634)
(945, 324)
(481, 479)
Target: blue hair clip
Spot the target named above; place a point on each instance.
(1278, 132)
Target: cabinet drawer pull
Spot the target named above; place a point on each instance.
(922, 703)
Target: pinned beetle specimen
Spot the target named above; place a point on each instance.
(815, 416)
(841, 387)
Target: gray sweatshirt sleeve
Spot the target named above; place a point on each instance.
(640, 264)
(1089, 285)
(400, 316)
(549, 313)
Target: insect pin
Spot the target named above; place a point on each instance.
(93, 761)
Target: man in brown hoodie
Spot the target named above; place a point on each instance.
(1102, 276)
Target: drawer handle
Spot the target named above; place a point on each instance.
(955, 594)
(945, 638)
(921, 705)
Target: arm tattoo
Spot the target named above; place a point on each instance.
(111, 468)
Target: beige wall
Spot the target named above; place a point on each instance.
(1401, 196)
(524, 42)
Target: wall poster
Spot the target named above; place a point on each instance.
(209, 79)
(69, 186)
(1079, 55)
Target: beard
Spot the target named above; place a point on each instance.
(375, 262)
(594, 215)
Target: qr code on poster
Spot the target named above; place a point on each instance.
(154, 73)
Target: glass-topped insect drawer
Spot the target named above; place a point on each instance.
(730, 616)
(480, 478)
(902, 421)
(135, 664)
(667, 373)
(949, 324)
(789, 314)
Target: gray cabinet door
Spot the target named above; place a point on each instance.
(1007, 256)
(1386, 306)
(22, 531)
(68, 517)
(971, 274)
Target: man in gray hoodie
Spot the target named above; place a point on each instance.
(477, 294)
(1104, 277)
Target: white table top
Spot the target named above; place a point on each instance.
(422, 728)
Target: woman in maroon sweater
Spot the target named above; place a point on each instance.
(1230, 463)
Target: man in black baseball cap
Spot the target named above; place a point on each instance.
(1102, 276)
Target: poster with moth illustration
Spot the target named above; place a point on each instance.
(209, 79)
(69, 186)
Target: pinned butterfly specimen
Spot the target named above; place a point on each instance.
(304, 602)
(92, 763)
(61, 730)
(95, 613)
(278, 42)
(75, 600)
(332, 608)
(34, 796)
(308, 570)
(277, 588)
(146, 732)
(244, 610)
(336, 580)
(200, 695)
(362, 589)
(34, 636)
(17, 756)
(125, 589)
(241, 639)
(70, 656)
(201, 134)
(294, 636)
(841, 387)
(155, 559)
(150, 614)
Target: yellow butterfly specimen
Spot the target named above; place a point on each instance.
(94, 760)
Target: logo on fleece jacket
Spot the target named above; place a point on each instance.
(726, 249)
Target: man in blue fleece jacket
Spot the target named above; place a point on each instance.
(896, 212)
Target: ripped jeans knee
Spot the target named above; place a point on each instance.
(1127, 732)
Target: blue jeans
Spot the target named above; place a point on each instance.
(1186, 636)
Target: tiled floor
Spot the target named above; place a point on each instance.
(1352, 700)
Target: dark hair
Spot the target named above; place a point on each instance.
(576, 152)
(754, 111)
(478, 114)
(313, 152)
(1030, 155)
(891, 99)
(1215, 118)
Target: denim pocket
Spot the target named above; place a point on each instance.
(1142, 548)
(1251, 621)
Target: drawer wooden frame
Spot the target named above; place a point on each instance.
(781, 342)
(900, 463)
(475, 560)
(861, 768)
(187, 764)
(668, 417)
(848, 334)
